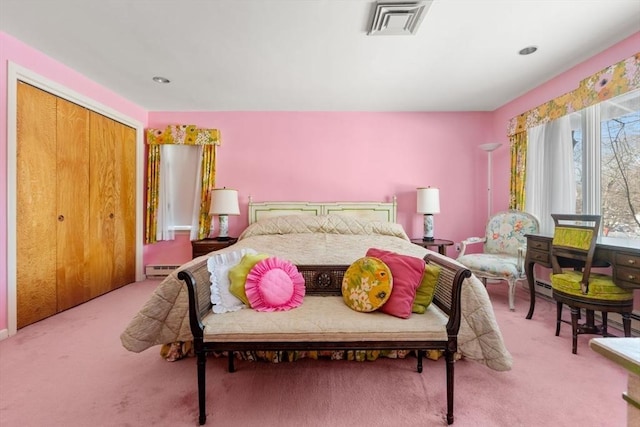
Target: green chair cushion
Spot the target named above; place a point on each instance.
(578, 238)
(601, 286)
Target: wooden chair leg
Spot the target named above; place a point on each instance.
(419, 366)
(512, 295)
(575, 314)
(626, 323)
(605, 315)
(558, 317)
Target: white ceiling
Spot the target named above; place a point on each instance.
(315, 55)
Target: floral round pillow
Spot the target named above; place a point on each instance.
(367, 284)
(274, 284)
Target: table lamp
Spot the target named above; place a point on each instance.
(428, 204)
(224, 202)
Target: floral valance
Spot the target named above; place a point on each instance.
(184, 135)
(608, 83)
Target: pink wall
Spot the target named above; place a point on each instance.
(329, 156)
(423, 149)
(12, 50)
(322, 156)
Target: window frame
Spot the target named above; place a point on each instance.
(591, 159)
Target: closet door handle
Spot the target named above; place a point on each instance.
(60, 218)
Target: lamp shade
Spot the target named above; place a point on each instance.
(490, 146)
(224, 201)
(428, 200)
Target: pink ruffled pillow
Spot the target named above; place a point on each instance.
(274, 284)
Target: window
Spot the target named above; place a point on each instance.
(179, 173)
(606, 155)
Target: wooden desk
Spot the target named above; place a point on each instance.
(623, 255)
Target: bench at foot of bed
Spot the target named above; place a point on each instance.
(324, 322)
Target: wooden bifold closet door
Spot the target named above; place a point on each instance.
(75, 204)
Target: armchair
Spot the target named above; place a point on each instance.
(574, 243)
(504, 248)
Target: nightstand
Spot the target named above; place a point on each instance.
(440, 243)
(204, 246)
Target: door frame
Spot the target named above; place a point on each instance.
(17, 73)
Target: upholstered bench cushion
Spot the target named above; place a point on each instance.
(323, 318)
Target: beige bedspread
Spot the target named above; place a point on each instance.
(331, 239)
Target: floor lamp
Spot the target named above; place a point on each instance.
(489, 148)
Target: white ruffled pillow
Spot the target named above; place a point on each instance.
(218, 265)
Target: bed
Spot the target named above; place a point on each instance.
(308, 233)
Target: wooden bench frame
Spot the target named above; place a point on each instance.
(327, 280)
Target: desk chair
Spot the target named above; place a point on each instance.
(573, 245)
(504, 248)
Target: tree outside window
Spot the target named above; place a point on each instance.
(606, 140)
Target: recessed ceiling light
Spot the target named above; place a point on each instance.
(159, 79)
(528, 50)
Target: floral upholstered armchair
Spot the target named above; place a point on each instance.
(503, 251)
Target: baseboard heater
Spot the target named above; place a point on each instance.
(543, 288)
(159, 271)
(614, 320)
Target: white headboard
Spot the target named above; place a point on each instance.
(378, 211)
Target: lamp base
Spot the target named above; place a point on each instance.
(428, 228)
(224, 228)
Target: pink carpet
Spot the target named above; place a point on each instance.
(70, 370)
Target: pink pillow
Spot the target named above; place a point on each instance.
(407, 274)
(274, 284)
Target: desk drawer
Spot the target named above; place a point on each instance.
(540, 257)
(627, 260)
(629, 275)
(627, 270)
(542, 245)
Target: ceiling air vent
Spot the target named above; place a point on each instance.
(396, 19)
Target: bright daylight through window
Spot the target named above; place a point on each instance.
(180, 164)
(606, 148)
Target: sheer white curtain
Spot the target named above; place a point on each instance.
(197, 189)
(179, 190)
(165, 230)
(550, 186)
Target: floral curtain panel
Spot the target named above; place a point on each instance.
(608, 83)
(209, 139)
(614, 80)
(518, 171)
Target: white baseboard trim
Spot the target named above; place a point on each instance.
(614, 320)
(4, 334)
